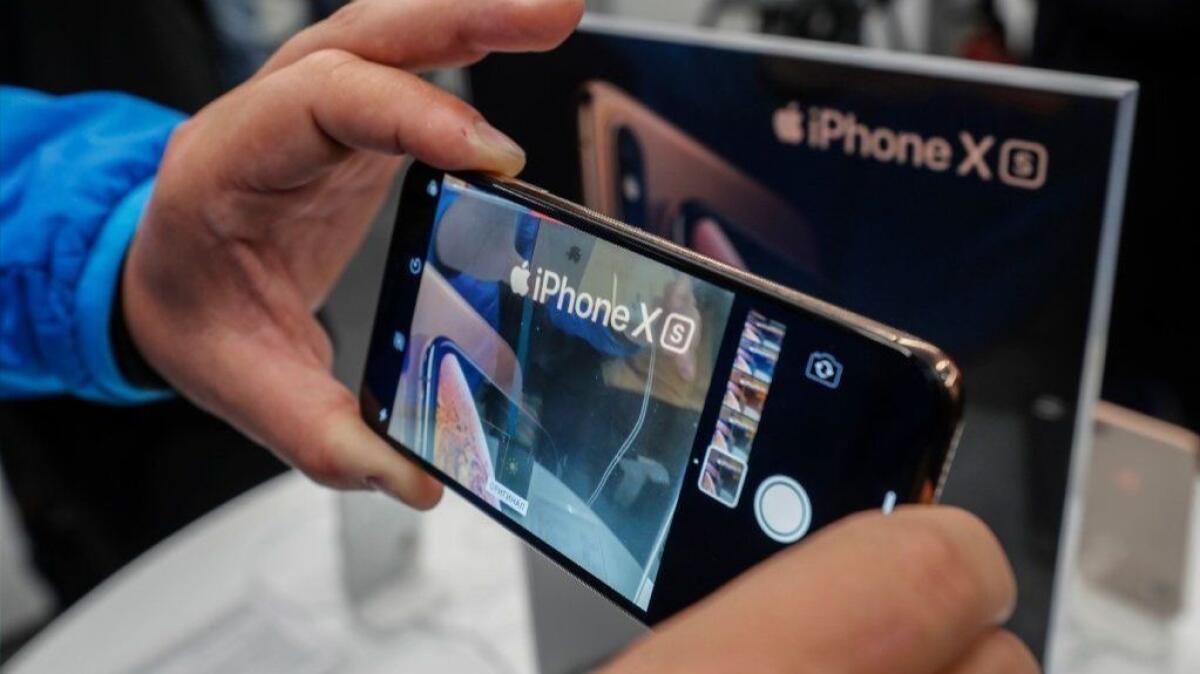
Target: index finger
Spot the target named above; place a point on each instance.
(905, 594)
(423, 34)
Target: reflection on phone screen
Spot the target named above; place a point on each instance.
(616, 354)
(710, 233)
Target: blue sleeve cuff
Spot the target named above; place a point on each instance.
(94, 303)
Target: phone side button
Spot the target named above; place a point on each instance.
(782, 509)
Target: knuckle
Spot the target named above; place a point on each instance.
(187, 137)
(322, 346)
(967, 522)
(182, 133)
(929, 553)
(935, 567)
(328, 460)
(323, 464)
(324, 62)
(177, 147)
(178, 179)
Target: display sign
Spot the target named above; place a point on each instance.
(976, 206)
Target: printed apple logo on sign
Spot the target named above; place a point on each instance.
(789, 124)
(518, 278)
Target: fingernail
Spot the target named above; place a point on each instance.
(505, 148)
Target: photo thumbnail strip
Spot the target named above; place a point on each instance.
(746, 389)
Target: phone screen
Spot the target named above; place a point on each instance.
(654, 428)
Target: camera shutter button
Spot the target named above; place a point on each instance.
(783, 509)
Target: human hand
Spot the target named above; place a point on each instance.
(922, 591)
(263, 196)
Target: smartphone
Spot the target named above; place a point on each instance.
(654, 421)
(641, 169)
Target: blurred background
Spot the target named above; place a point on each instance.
(87, 488)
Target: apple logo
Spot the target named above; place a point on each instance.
(519, 279)
(789, 124)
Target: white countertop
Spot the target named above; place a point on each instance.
(256, 586)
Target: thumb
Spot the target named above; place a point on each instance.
(363, 458)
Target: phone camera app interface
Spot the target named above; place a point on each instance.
(561, 379)
(728, 455)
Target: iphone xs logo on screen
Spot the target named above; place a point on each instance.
(674, 332)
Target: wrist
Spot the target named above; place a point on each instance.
(129, 359)
(97, 300)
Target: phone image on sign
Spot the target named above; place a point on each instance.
(644, 170)
(646, 417)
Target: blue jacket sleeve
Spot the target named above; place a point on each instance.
(75, 175)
